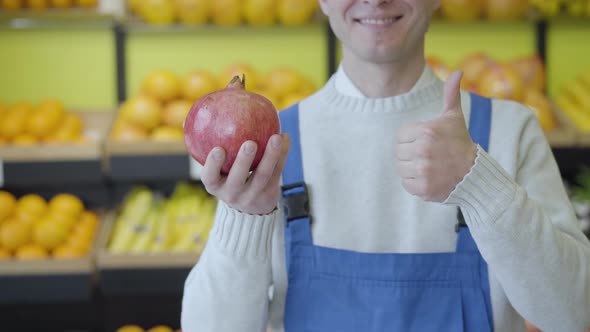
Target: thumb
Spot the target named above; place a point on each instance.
(452, 96)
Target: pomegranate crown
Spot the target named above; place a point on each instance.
(237, 83)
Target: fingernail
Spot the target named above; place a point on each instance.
(275, 141)
(217, 154)
(249, 148)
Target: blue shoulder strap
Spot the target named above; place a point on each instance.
(480, 120)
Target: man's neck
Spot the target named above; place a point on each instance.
(385, 79)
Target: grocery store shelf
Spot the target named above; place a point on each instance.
(138, 26)
(56, 19)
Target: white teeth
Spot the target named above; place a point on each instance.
(377, 21)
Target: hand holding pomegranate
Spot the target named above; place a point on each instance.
(234, 134)
(434, 156)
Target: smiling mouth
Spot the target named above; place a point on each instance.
(379, 21)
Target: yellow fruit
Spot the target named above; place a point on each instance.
(239, 69)
(24, 139)
(175, 113)
(5, 254)
(40, 124)
(193, 12)
(160, 328)
(62, 3)
(283, 81)
(296, 12)
(260, 12)
(89, 219)
(541, 106)
(167, 134)
(49, 234)
(3, 141)
(227, 12)
(31, 252)
(130, 328)
(463, 10)
(12, 4)
(126, 132)
(63, 221)
(87, 3)
(197, 84)
(67, 204)
(30, 207)
(144, 112)
(162, 85)
(13, 124)
(72, 124)
(306, 87)
(134, 6)
(161, 12)
(67, 252)
(38, 4)
(7, 204)
(14, 234)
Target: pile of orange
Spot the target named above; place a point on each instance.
(136, 328)
(158, 111)
(45, 4)
(48, 122)
(33, 228)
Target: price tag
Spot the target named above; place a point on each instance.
(195, 168)
(1, 174)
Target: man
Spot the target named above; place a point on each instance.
(430, 209)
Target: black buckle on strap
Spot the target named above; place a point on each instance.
(460, 221)
(295, 205)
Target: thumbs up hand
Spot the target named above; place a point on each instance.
(434, 156)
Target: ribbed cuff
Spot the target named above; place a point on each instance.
(241, 234)
(485, 192)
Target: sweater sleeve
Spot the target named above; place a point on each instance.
(228, 289)
(527, 232)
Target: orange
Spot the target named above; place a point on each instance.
(193, 12)
(134, 6)
(226, 12)
(23, 107)
(162, 85)
(4, 254)
(167, 134)
(49, 234)
(24, 139)
(30, 207)
(73, 124)
(78, 243)
(42, 123)
(31, 252)
(67, 204)
(85, 232)
(38, 4)
(175, 113)
(130, 328)
(270, 95)
(541, 106)
(283, 81)
(306, 86)
(63, 220)
(126, 132)
(260, 12)
(67, 252)
(158, 11)
(197, 84)
(87, 3)
(14, 234)
(3, 141)
(62, 3)
(7, 204)
(239, 69)
(160, 328)
(144, 112)
(12, 4)
(13, 124)
(502, 81)
(89, 218)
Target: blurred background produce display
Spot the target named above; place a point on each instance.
(102, 213)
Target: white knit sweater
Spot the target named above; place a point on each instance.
(513, 200)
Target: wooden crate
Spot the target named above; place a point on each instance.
(565, 133)
(49, 280)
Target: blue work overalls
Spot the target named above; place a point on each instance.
(332, 290)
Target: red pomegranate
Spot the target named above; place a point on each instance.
(227, 118)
